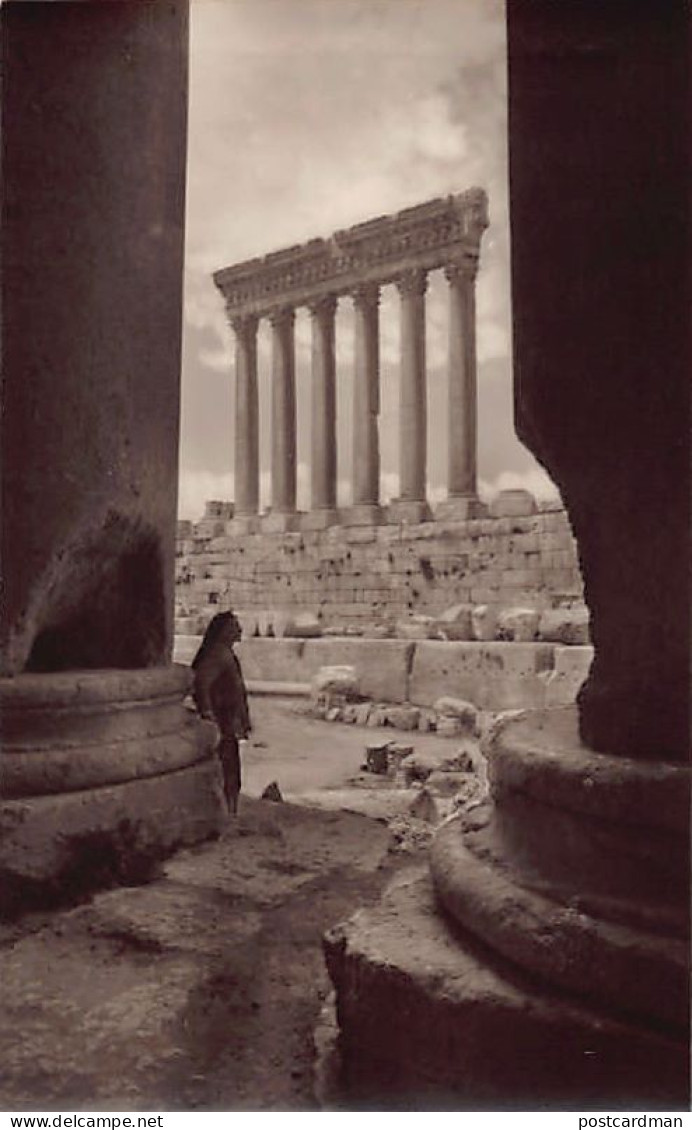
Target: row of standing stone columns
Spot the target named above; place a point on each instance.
(461, 417)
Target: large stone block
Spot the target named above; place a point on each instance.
(382, 665)
(572, 665)
(513, 503)
(493, 676)
(273, 660)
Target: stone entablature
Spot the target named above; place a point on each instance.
(428, 236)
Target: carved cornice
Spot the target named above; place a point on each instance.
(413, 282)
(324, 307)
(465, 272)
(426, 238)
(282, 317)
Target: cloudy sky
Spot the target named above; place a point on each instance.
(307, 116)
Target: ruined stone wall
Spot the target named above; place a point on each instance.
(360, 575)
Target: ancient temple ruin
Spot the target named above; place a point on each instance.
(442, 234)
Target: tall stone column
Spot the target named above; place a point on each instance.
(93, 224)
(246, 418)
(366, 408)
(462, 475)
(323, 422)
(283, 432)
(412, 505)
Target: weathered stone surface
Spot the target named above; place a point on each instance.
(382, 665)
(376, 758)
(46, 841)
(83, 730)
(465, 1017)
(403, 717)
(494, 676)
(571, 668)
(341, 681)
(302, 625)
(396, 752)
(447, 784)
(564, 625)
(455, 622)
(418, 766)
(362, 712)
(423, 807)
(273, 660)
(369, 579)
(92, 300)
(447, 706)
(513, 504)
(604, 432)
(608, 962)
(416, 628)
(519, 624)
(483, 622)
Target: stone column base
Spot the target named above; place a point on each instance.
(319, 519)
(363, 514)
(476, 1036)
(553, 968)
(408, 510)
(277, 522)
(458, 509)
(99, 768)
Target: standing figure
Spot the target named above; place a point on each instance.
(220, 695)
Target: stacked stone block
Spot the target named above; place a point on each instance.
(366, 575)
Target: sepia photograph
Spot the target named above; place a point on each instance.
(345, 560)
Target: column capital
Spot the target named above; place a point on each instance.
(245, 325)
(466, 271)
(413, 281)
(282, 316)
(324, 306)
(366, 296)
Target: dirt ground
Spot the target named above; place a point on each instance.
(202, 989)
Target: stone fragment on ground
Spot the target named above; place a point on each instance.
(376, 758)
(483, 622)
(565, 625)
(419, 766)
(455, 623)
(396, 753)
(403, 717)
(519, 625)
(456, 716)
(417, 628)
(337, 680)
(272, 792)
